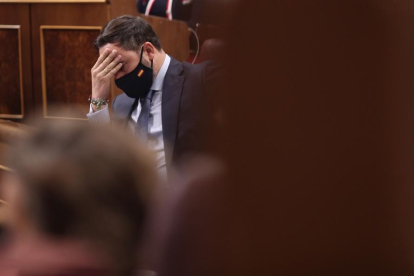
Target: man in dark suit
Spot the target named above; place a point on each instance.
(165, 102)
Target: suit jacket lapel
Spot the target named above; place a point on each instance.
(171, 95)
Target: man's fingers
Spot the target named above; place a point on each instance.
(114, 70)
(113, 64)
(107, 60)
(110, 66)
(103, 73)
(101, 58)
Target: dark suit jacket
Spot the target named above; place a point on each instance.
(185, 107)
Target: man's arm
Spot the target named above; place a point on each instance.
(100, 116)
(104, 69)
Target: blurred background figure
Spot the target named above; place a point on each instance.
(210, 12)
(318, 144)
(76, 202)
(171, 9)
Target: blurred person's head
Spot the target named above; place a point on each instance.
(130, 36)
(80, 182)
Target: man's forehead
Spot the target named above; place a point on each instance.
(119, 49)
(110, 47)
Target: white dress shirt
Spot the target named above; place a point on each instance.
(155, 134)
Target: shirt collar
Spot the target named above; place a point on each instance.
(159, 79)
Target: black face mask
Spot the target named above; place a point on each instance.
(138, 82)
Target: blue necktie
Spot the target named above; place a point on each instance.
(142, 124)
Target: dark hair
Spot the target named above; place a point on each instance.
(128, 32)
(86, 182)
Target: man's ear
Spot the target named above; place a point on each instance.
(150, 50)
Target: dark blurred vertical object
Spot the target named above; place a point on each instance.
(319, 143)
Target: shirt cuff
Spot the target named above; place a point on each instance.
(100, 116)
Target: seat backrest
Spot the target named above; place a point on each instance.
(212, 49)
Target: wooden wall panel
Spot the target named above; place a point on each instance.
(61, 69)
(17, 15)
(67, 59)
(11, 89)
(122, 7)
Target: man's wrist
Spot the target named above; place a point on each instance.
(98, 103)
(94, 110)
